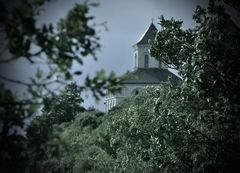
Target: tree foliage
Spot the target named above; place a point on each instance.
(207, 55)
(193, 127)
(174, 130)
(65, 106)
(66, 146)
(12, 141)
(43, 131)
(53, 50)
(57, 46)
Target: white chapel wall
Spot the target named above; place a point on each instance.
(140, 51)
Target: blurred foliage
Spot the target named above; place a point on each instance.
(53, 49)
(101, 82)
(63, 107)
(67, 146)
(12, 141)
(42, 133)
(57, 46)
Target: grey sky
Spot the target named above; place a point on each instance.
(126, 20)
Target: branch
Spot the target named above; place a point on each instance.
(14, 81)
(8, 60)
(205, 136)
(201, 142)
(24, 102)
(30, 84)
(27, 56)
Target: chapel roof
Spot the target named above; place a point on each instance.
(149, 34)
(149, 76)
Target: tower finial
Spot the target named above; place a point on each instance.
(152, 20)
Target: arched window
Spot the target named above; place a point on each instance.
(135, 63)
(146, 61)
(124, 91)
(136, 91)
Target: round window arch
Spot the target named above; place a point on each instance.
(135, 63)
(136, 91)
(146, 61)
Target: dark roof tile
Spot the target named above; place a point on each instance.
(149, 76)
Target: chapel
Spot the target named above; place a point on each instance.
(146, 71)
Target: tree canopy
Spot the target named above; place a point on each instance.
(53, 50)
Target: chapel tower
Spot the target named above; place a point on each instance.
(141, 53)
(147, 71)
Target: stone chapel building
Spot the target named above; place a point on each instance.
(146, 71)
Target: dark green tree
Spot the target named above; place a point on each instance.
(69, 146)
(208, 60)
(12, 140)
(42, 133)
(57, 48)
(207, 55)
(64, 106)
(193, 127)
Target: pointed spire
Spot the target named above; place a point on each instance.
(150, 33)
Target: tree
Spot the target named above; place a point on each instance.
(193, 127)
(57, 47)
(207, 55)
(208, 60)
(69, 146)
(43, 131)
(65, 106)
(12, 141)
